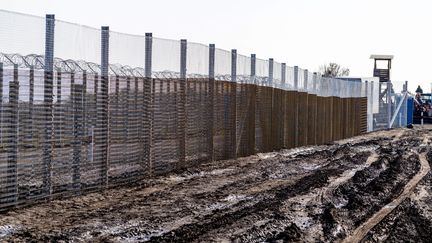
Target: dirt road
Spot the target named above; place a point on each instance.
(321, 193)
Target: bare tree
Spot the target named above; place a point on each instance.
(333, 70)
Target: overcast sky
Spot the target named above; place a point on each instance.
(307, 33)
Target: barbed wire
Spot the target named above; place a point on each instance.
(34, 61)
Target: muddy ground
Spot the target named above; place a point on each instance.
(371, 188)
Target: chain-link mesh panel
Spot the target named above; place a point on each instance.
(29, 175)
(291, 119)
(302, 83)
(262, 71)
(64, 130)
(337, 117)
(168, 125)
(223, 117)
(91, 177)
(127, 156)
(232, 120)
(321, 125)
(243, 69)
(222, 65)
(22, 33)
(278, 122)
(165, 57)
(277, 75)
(289, 83)
(127, 50)
(263, 119)
(245, 121)
(197, 60)
(350, 115)
(311, 83)
(10, 167)
(77, 42)
(197, 109)
(328, 123)
(346, 117)
(312, 119)
(302, 118)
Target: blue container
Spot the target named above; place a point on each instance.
(410, 110)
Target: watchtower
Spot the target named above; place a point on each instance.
(382, 66)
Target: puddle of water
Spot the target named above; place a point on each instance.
(179, 178)
(340, 203)
(6, 230)
(367, 148)
(235, 198)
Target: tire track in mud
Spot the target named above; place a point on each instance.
(353, 202)
(296, 216)
(269, 203)
(190, 232)
(117, 209)
(360, 232)
(279, 170)
(411, 221)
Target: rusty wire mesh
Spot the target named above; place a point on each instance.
(197, 121)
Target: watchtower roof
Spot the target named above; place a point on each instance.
(382, 57)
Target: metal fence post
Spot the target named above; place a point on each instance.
(210, 118)
(306, 77)
(296, 77)
(148, 54)
(315, 80)
(283, 76)
(84, 101)
(233, 104)
(148, 103)
(296, 109)
(283, 121)
(270, 81)
(253, 69)
(389, 108)
(367, 105)
(252, 106)
(271, 137)
(183, 56)
(181, 112)
(102, 142)
(48, 102)
(234, 65)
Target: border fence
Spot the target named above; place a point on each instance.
(83, 109)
